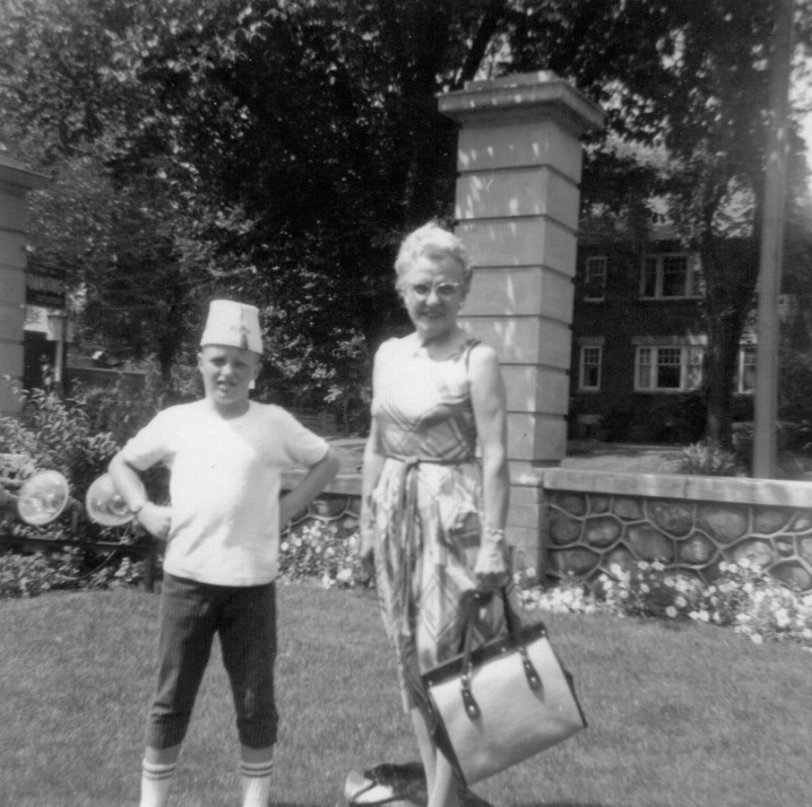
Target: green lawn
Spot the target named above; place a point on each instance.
(685, 716)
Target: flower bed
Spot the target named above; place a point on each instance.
(743, 597)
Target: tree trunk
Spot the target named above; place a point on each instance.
(730, 272)
(723, 341)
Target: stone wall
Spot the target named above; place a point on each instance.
(690, 523)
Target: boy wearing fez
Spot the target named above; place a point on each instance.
(226, 454)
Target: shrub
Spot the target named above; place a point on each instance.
(615, 427)
(61, 435)
(29, 574)
(793, 444)
(122, 410)
(58, 435)
(707, 459)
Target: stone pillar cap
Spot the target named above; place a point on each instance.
(522, 96)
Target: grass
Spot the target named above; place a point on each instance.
(680, 716)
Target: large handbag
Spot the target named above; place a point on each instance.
(503, 702)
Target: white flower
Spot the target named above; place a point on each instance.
(757, 638)
(671, 612)
(680, 601)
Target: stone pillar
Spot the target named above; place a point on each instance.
(15, 182)
(519, 162)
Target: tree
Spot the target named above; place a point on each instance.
(120, 242)
(697, 88)
(278, 149)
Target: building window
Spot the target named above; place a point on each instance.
(671, 276)
(676, 368)
(589, 377)
(595, 277)
(746, 369)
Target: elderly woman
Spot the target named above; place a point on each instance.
(433, 514)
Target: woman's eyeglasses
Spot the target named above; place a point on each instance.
(442, 290)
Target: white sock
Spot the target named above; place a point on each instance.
(256, 783)
(156, 779)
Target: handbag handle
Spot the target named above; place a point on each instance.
(511, 619)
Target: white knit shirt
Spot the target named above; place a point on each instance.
(224, 486)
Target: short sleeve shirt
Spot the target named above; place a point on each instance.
(225, 478)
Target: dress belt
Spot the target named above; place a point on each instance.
(407, 488)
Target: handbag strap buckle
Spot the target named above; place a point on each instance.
(533, 680)
(471, 707)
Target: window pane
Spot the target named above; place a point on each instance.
(595, 277)
(643, 368)
(590, 367)
(694, 379)
(669, 368)
(644, 377)
(668, 378)
(749, 379)
(696, 282)
(747, 382)
(649, 285)
(675, 270)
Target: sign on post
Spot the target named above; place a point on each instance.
(45, 286)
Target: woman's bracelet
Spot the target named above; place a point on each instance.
(495, 533)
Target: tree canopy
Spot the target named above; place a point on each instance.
(278, 149)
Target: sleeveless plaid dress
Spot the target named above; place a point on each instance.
(427, 509)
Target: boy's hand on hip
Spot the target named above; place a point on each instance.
(155, 519)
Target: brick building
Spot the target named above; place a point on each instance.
(638, 344)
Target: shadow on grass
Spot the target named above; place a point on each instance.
(403, 785)
(567, 804)
(295, 803)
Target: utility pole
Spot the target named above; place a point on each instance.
(770, 259)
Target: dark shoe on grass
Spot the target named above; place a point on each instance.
(395, 785)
